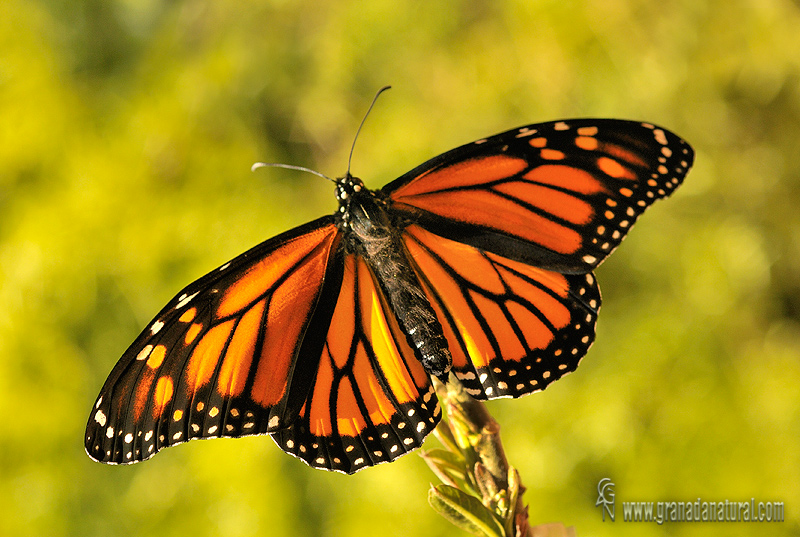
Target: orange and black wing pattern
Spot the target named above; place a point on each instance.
(559, 195)
(511, 328)
(371, 401)
(233, 354)
(504, 234)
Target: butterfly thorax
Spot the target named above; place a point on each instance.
(369, 233)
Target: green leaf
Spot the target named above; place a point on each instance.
(450, 468)
(445, 457)
(464, 511)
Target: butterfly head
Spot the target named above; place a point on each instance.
(347, 189)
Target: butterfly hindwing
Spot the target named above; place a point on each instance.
(371, 400)
(559, 195)
(512, 328)
(233, 354)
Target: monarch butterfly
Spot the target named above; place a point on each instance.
(476, 263)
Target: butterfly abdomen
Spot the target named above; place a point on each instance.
(371, 234)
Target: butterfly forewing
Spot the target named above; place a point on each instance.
(558, 195)
(223, 357)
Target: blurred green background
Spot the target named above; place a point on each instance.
(127, 131)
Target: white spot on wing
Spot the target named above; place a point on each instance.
(100, 418)
(145, 352)
(184, 300)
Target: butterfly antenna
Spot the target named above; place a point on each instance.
(374, 99)
(258, 165)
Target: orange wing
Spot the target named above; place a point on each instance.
(233, 354)
(559, 195)
(371, 401)
(512, 328)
